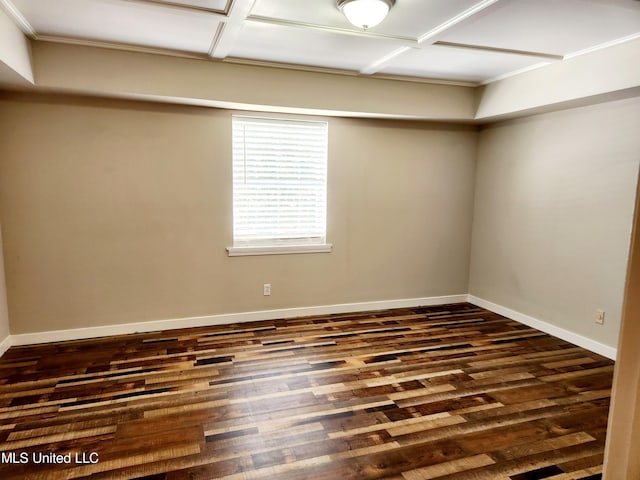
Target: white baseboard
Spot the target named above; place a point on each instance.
(152, 326)
(6, 344)
(223, 319)
(584, 342)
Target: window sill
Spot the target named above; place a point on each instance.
(279, 250)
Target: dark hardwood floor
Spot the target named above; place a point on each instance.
(447, 392)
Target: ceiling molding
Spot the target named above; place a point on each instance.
(602, 46)
(549, 57)
(408, 41)
(291, 66)
(184, 6)
(375, 66)
(216, 38)
(18, 18)
(233, 26)
(349, 73)
(456, 20)
(515, 72)
(426, 80)
(121, 46)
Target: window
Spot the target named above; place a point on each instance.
(279, 186)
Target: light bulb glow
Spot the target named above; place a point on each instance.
(365, 13)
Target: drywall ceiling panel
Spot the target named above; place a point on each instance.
(455, 63)
(117, 21)
(557, 27)
(293, 45)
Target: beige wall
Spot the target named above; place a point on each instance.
(553, 212)
(4, 312)
(117, 212)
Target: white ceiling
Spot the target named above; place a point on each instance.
(470, 41)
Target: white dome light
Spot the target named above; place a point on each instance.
(365, 13)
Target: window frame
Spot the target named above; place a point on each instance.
(279, 246)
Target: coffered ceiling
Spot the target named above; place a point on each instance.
(466, 41)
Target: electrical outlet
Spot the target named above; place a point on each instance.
(266, 289)
(600, 317)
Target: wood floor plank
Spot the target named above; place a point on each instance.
(449, 392)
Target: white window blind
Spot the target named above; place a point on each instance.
(279, 182)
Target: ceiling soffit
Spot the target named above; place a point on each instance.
(464, 42)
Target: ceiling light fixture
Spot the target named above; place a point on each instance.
(365, 13)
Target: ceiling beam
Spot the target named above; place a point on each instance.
(115, 73)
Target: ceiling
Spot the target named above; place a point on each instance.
(461, 41)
